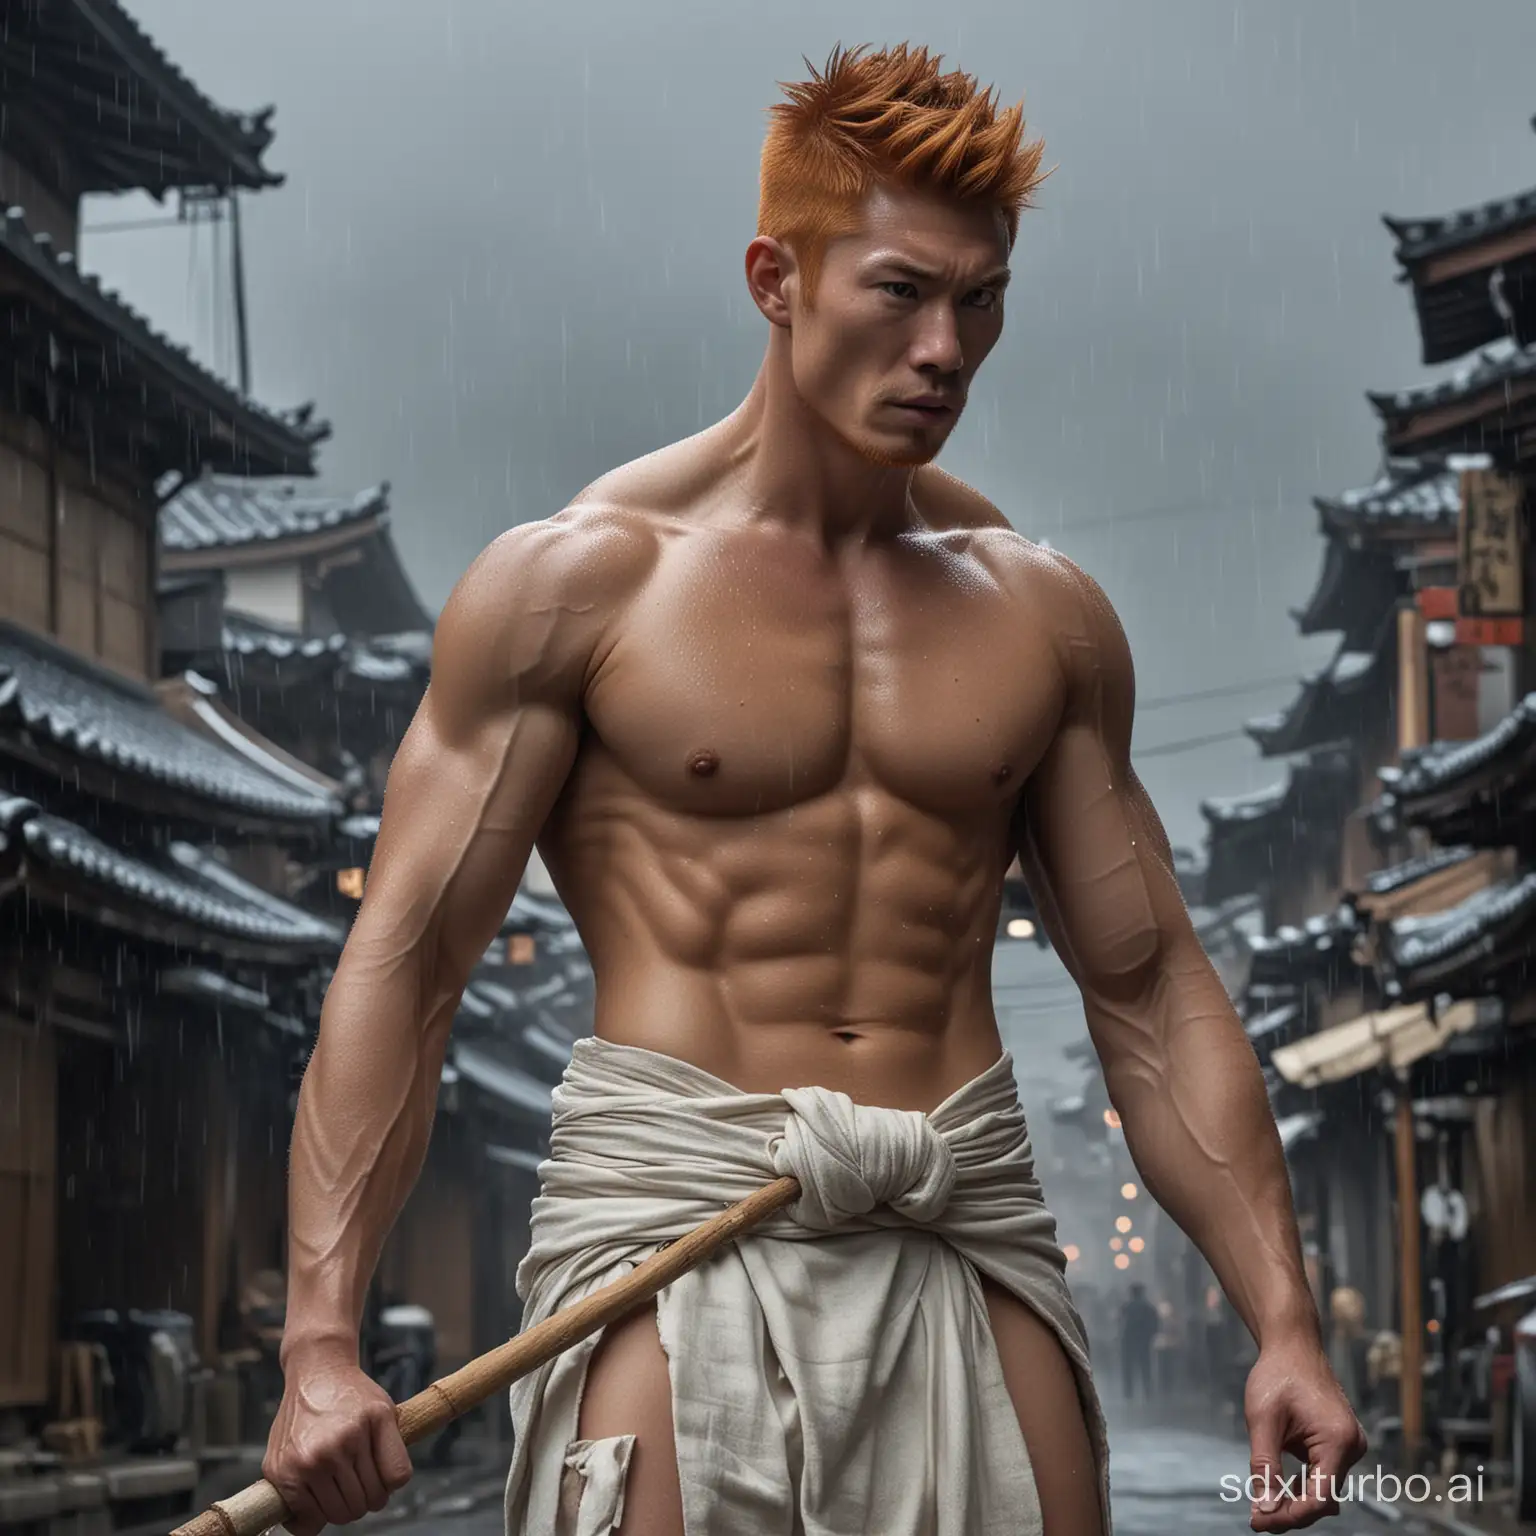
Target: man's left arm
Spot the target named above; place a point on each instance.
(1178, 1066)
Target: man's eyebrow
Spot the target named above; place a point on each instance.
(997, 278)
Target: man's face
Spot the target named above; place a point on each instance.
(904, 312)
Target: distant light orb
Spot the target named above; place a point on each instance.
(1070, 1253)
(1122, 1261)
(1128, 1191)
(1020, 928)
(1116, 1244)
(1122, 1223)
(1136, 1244)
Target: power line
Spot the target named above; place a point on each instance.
(1146, 515)
(1226, 691)
(1188, 744)
(128, 226)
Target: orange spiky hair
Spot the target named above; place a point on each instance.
(891, 117)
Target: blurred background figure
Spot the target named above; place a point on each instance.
(1139, 1324)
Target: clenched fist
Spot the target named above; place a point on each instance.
(335, 1451)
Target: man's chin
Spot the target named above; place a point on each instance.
(908, 455)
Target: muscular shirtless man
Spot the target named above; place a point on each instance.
(779, 704)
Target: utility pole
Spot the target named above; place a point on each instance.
(237, 262)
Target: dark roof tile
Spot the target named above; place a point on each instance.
(187, 884)
(222, 512)
(87, 711)
(265, 440)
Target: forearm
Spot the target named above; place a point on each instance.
(360, 1138)
(1198, 1124)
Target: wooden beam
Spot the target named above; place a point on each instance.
(1494, 401)
(1477, 258)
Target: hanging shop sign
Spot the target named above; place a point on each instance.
(1490, 573)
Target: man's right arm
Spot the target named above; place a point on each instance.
(469, 790)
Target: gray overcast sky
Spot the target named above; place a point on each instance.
(508, 256)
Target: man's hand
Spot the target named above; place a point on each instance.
(335, 1451)
(1294, 1403)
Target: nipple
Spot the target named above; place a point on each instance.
(1002, 773)
(704, 763)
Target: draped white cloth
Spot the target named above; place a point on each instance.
(833, 1371)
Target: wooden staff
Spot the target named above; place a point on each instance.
(260, 1507)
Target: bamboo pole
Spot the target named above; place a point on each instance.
(260, 1507)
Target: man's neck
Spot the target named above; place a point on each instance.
(796, 471)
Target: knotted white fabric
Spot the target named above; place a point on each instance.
(833, 1371)
(850, 1158)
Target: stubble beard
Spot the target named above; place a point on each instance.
(893, 458)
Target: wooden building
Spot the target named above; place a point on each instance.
(298, 606)
(1472, 274)
(153, 994)
(205, 670)
(1397, 1019)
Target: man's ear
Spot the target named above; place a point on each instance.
(772, 278)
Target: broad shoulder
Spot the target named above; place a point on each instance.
(1072, 607)
(534, 608)
(960, 516)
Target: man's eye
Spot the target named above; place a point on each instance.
(986, 298)
(908, 290)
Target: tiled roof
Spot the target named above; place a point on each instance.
(1436, 767)
(220, 991)
(187, 885)
(1494, 367)
(1328, 706)
(377, 660)
(85, 711)
(1469, 791)
(1383, 882)
(245, 635)
(1418, 496)
(1231, 810)
(222, 513)
(222, 428)
(1252, 840)
(1321, 948)
(1418, 238)
(1476, 936)
(113, 61)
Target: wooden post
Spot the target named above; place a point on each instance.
(1412, 1382)
(1412, 679)
(1412, 731)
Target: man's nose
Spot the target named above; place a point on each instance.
(938, 340)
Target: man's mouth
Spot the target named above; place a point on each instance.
(928, 410)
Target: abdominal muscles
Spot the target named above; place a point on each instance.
(845, 941)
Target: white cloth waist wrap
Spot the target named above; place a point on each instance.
(833, 1371)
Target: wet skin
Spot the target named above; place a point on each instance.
(779, 704)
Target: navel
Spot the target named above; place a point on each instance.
(704, 763)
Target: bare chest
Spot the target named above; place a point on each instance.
(749, 678)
